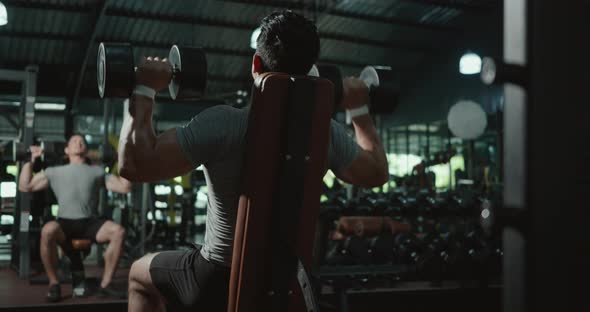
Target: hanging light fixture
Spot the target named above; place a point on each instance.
(470, 64)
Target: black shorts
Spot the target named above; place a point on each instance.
(81, 228)
(188, 281)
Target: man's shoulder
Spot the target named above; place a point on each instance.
(220, 120)
(97, 169)
(56, 168)
(223, 112)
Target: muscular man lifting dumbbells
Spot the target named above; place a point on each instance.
(198, 280)
(75, 186)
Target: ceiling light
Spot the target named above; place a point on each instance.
(470, 64)
(254, 37)
(50, 106)
(3, 15)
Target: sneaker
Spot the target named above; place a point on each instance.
(110, 292)
(79, 289)
(54, 293)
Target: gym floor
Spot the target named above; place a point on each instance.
(19, 294)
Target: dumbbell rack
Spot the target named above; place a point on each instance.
(343, 280)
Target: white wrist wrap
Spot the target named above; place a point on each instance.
(351, 113)
(145, 91)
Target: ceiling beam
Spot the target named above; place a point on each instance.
(195, 20)
(327, 9)
(74, 6)
(330, 36)
(139, 43)
(366, 41)
(192, 20)
(42, 36)
(460, 5)
(180, 19)
(86, 7)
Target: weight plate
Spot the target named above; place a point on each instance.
(175, 62)
(488, 70)
(383, 88)
(370, 77)
(191, 75)
(115, 71)
(100, 69)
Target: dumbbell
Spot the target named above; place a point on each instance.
(383, 88)
(115, 72)
(377, 202)
(382, 248)
(358, 248)
(21, 152)
(493, 71)
(430, 261)
(407, 248)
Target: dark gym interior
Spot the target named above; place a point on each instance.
(477, 107)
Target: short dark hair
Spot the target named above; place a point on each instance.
(77, 134)
(288, 43)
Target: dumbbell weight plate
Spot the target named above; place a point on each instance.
(382, 247)
(19, 151)
(358, 248)
(115, 72)
(383, 89)
(189, 67)
(100, 69)
(488, 70)
(370, 77)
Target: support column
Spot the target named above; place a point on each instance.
(21, 245)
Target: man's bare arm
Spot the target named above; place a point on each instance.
(118, 184)
(143, 156)
(26, 181)
(27, 184)
(370, 168)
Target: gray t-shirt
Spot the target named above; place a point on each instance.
(215, 138)
(76, 189)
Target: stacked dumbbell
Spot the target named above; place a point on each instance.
(364, 240)
(446, 241)
(116, 71)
